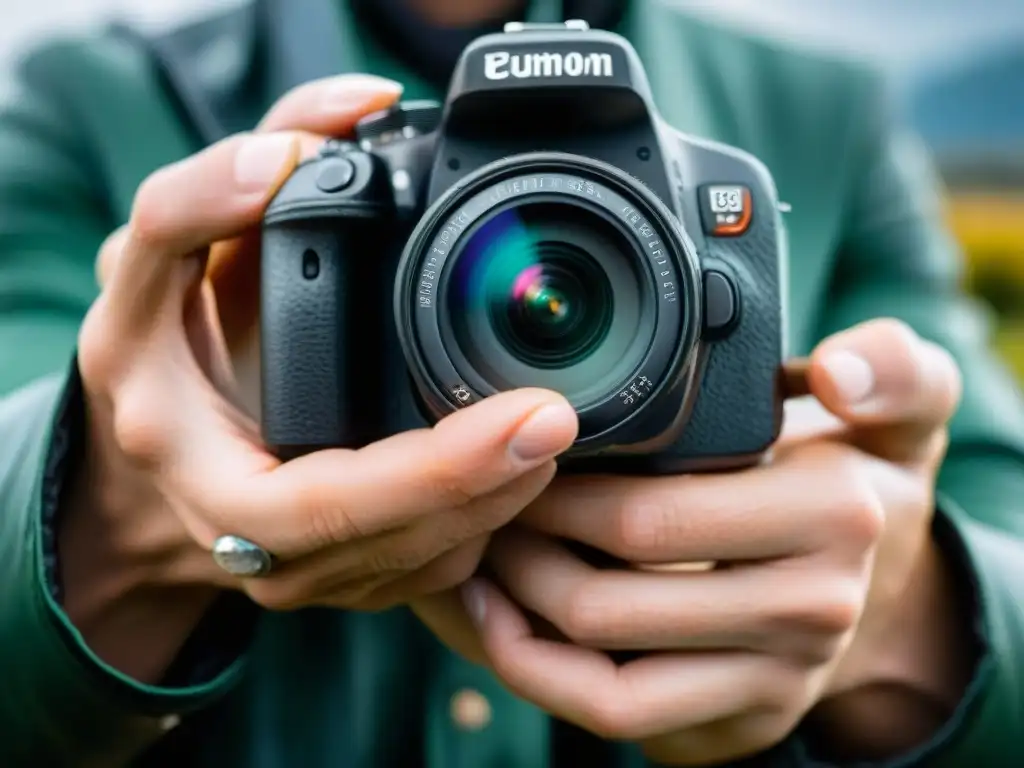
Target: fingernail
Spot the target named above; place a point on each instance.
(355, 94)
(475, 601)
(852, 376)
(546, 433)
(262, 159)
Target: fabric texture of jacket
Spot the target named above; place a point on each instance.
(92, 117)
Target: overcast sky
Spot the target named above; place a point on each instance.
(899, 32)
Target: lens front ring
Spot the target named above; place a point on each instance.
(665, 253)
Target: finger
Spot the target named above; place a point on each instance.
(444, 614)
(110, 254)
(697, 519)
(335, 496)
(233, 268)
(112, 249)
(207, 342)
(645, 698)
(441, 574)
(436, 552)
(882, 374)
(327, 107)
(759, 608)
(331, 106)
(179, 211)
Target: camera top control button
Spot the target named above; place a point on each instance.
(334, 147)
(576, 25)
(335, 174)
(726, 209)
(402, 121)
(721, 308)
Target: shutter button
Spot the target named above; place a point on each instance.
(335, 174)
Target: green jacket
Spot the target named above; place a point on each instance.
(91, 118)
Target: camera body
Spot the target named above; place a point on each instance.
(544, 227)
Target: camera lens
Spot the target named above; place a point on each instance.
(555, 271)
(557, 307)
(549, 294)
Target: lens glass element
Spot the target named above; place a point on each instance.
(550, 294)
(554, 307)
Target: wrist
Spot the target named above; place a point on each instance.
(132, 582)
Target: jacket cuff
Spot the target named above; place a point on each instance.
(63, 703)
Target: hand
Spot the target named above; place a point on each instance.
(816, 553)
(174, 463)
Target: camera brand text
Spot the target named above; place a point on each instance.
(500, 65)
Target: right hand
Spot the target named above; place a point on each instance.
(175, 462)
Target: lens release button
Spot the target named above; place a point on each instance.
(335, 174)
(720, 303)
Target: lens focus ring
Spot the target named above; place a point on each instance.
(555, 271)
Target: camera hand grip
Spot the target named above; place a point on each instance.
(303, 330)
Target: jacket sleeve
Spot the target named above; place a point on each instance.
(897, 260)
(61, 705)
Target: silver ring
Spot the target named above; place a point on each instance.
(240, 557)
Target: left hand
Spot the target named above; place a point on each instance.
(815, 551)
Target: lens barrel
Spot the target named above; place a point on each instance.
(549, 270)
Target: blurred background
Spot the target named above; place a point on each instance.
(957, 65)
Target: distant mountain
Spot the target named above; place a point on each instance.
(975, 104)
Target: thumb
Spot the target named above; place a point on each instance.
(895, 388)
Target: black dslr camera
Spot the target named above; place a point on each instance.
(544, 227)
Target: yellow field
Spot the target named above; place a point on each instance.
(990, 227)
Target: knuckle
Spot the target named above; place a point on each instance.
(646, 524)
(151, 222)
(99, 356)
(458, 567)
(857, 517)
(840, 609)
(450, 486)
(859, 520)
(611, 717)
(833, 611)
(330, 524)
(811, 650)
(392, 556)
(779, 692)
(139, 426)
(588, 616)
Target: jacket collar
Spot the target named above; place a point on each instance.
(222, 70)
(315, 38)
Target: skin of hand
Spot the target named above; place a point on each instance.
(174, 461)
(750, 596)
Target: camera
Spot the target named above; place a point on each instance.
(543, 227)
